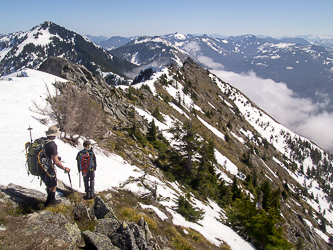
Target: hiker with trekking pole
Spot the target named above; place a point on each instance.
(86, 163)
(42, 155)
(49, 177)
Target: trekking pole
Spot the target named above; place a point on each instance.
(70, 181)
(80, 179)
(30, 133)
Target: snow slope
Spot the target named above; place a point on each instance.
(266, 126)
(18, 94)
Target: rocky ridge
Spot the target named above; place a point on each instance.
(119, 108)
(60, 232)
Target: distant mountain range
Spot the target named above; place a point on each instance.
(151, 51)
(96, 39)
(326, 41)
(114, 42)
(305, 68)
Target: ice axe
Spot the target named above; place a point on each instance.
(30, 133)
(80, 179)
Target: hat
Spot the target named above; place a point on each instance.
(53, 131)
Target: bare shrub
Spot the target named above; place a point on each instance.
(77, 113)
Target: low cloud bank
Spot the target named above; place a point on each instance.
(300, 115)
(194, 49)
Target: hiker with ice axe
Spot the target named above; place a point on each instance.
(50, 178)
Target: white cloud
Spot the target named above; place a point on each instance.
(302, 116)
(209, 62)
(193, 48)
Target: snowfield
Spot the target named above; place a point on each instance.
(18, 95)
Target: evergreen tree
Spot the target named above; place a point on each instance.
(206, 180)
(136, 133)
(267, 194)
(322, 224)
(190, 146)
(156, 113)
(236, 192)
(308, 172)
(225, 194)
(152, 131)
(300, 244)
(260, 226)
(189, 212)
(187, 141)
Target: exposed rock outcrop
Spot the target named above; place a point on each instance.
(98, 241)
(112, 104)
(22, 195)
(55, 225)
(63, 233)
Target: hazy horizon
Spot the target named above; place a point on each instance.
(135, 18)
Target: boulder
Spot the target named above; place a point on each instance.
(54, 65)
(81, 212)
(139, 235)
(145, 228)
(124, 238)
(102, 210)
(98, 241)
(55, 225)
(23, 195)
(107, 226)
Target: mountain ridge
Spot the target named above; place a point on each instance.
(304, 67)
(247, 144)
(22, 49)
(251, 150)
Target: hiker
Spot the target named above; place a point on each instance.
(50, 178)
(86, 163)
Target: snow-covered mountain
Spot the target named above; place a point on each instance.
(250, 148)
(304, 67)
(248, 143)
(155, 51)
(22, 89)
(325, 40)
(29, 49)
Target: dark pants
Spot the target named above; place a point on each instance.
(50, 183)
(89, 182)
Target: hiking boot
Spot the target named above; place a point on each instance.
(54, 202)
(87, 196)
(92, 195)
(50, 198)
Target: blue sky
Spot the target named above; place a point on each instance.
(134, 17)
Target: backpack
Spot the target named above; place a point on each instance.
(85, 161)
(37, 160)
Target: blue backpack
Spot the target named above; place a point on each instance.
(86, 161)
